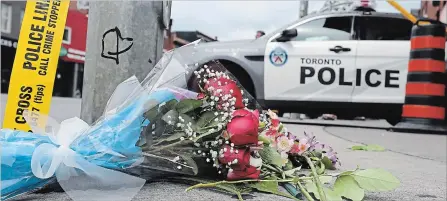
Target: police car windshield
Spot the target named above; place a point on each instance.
(270, 34)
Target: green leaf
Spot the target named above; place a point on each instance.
(327, 163)
(291, 173)
(347, 187)
(376, 180)
(171, 117)
(325, 179)
(330, 194)
(188, 105)
(371, 147)
(205, 119)
(185, 119)
(190, 162)
(267, 186)
(262, 125)
(346, 173)
(264, 139)
(281, 126)
(166, 106)
(270, 187)
(174, 137)
(271, 156)
(205, 134)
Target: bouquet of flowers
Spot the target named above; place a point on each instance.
(188, 120)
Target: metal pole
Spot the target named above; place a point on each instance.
(124, 38)
(75, 79)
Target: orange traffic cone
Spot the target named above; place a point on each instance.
(425, 98)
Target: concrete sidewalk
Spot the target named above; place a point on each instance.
(418, 160)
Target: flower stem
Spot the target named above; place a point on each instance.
(270, 168)
(205, 185)
(316, 179)
(304, 192)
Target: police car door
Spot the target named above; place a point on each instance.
(382, 58)
(317, 65)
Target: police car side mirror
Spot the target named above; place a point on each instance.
(287, 34)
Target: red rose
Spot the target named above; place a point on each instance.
(275, 123)
(223, 86)
(200, 96)
(248, 172)
(243, 128)
(242, 156)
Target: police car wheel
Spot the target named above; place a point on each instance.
(241, 75)
(393, 120)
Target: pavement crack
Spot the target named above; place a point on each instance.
(393, 151)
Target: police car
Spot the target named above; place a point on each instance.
(348, 64)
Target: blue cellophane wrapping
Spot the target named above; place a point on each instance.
(115, 133)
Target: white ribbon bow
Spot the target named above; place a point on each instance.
(79, 178)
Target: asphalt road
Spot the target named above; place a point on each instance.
(418, 160)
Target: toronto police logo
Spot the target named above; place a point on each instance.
(278, 57)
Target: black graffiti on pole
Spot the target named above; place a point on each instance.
(115, 55)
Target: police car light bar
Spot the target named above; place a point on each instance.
(364, 4)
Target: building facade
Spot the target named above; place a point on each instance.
(436, 10)
(69, 74)
(179, 38)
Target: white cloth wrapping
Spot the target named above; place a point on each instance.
(79, 178)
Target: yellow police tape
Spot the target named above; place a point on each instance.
(35, 63)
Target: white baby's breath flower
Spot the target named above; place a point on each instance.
(182, 138)
(179, 167)
(213, 154)
(208, 160)
(212, 103)
(177, 158)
